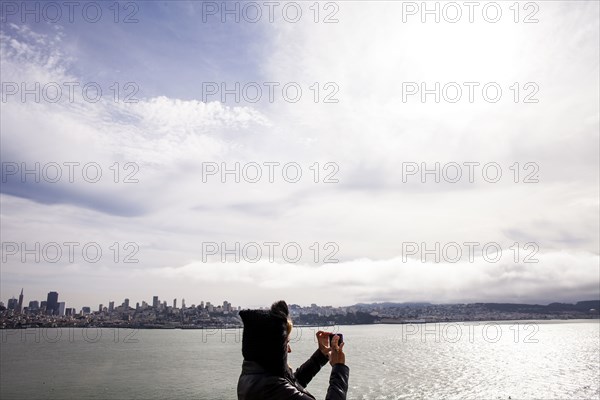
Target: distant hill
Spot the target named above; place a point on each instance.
(507, 307)
(537, 308)
(392, 305)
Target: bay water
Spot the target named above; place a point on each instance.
(483, 360)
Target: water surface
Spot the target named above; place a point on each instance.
(556, 360)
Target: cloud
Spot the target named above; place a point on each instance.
(154, 134)
(562, 276)
(370, 134)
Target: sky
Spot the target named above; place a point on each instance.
(337, 115)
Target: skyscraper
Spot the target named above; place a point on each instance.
(20, 305)
(126, 304)
(12, 304)
(111, 306)
(155, 302)
(174, 303)
(52, 303)
(61, 308)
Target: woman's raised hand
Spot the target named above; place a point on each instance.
(323, 340)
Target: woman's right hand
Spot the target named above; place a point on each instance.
(337, 355)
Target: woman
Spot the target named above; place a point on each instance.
(265, 371)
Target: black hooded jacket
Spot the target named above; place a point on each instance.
(265, 372)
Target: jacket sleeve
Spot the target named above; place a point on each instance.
(338, 382)
(283, 389)
(310, 368)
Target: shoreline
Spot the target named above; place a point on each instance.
(415, 322)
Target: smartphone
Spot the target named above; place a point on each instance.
(341, 340)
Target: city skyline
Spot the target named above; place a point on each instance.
(160, 315)
(155, 301)
(52, 303)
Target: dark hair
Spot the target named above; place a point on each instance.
(280, 307)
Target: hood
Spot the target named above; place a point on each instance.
(264, 340)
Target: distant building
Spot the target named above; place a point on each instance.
(52, 303)
(111, 306)
(174, 303)
(61, 308)
(34, 305)
(126, 304)
(20, 304)
(43, 305)
(12, 304)
(85, 310)
(155, 302)
(100, 307)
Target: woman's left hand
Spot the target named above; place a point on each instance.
(323, 340)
